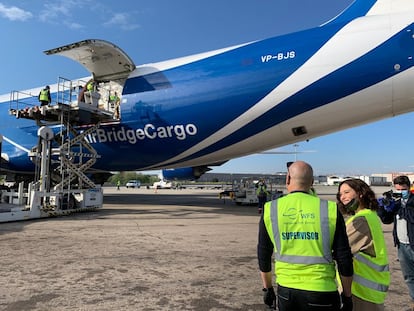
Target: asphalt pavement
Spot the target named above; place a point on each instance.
(169, 250)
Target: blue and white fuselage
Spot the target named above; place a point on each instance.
(208, 108)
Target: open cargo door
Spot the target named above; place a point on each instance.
(104, 60)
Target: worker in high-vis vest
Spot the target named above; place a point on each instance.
(307, 235)
(114, 102)
(366, 238)
(90, 94)
(44, 96)
(113, 99)
(90, 86)
(262, 194)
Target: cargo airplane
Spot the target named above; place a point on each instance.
(193, 112)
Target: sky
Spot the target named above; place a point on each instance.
(157, 30)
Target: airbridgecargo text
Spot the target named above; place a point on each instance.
(149, 131)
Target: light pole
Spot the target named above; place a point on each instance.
(295, 146)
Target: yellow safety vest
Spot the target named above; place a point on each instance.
(44, 95)
(261, 190)
(89, 87)
(301, 227)
(113, 98)
(371, 274)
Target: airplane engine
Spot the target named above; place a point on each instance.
(185, 173)
(99, 178)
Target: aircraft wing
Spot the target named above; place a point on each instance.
(103, 59)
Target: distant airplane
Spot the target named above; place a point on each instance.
(203, 110)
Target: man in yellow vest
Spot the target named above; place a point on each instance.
(114, 102)
(90, 94)
(262, 194)
(307, 235)
(113, 99)
(90, 86)
(44, 96)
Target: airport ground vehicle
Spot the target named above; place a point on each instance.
(244, 192)
(133, 184)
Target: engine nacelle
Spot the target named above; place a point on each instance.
(184, 173)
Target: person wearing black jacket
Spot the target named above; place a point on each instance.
(401, 212)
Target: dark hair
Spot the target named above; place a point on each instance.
(366, 195)
(402, 180)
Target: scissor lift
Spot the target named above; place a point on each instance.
(62, 159)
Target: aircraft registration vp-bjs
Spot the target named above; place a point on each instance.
(205, 109)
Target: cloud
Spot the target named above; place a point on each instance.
(74, 26)
(14, 13)
(76, 14)
(121, 20)
(54, 11)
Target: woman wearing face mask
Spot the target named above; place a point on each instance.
(366, 239)
(400, 210)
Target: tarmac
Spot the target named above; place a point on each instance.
(169, 250)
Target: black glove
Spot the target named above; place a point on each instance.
(346, 303)
(269, 297)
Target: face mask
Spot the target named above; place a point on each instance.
(405, 194)
(352, 206)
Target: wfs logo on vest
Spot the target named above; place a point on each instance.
(292, 213)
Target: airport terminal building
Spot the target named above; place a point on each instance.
(280, 178)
